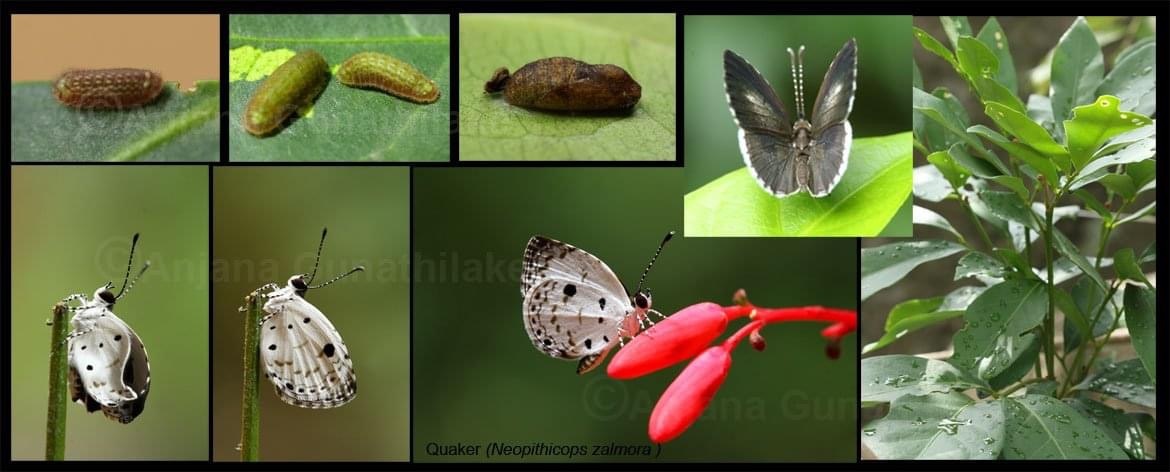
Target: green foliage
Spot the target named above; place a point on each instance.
(1088, 148)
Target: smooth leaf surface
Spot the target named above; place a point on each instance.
(940, 111)
(1094, 124)
(933, 45)
(1043, 164)
(1042, 427)
(1133, 79)
(1008, 206)
(981, 67)
(955, 27)
(1077, 70)
(883, 266)
(1126, 264)
(988, 341)
(930, 185)
(1123, 429)
(1087, 298)
(928, 217)
(1142, 320)
(491, 129)
(914, 315)
(179, 126)
(993, 36)
(1022, 363)
(875, 185)
(345, 123)
(1022, 127)
(1099, 167)
(950, 427)
(886, 378)
(1073, 254)
(977, 263)
(1127, 380)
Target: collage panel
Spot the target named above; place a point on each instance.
(338, 310)
(496, 371)
(75, 228)
(118, 88)
(339, 88)
(567, 87)
(766, 160)
(1019, 323)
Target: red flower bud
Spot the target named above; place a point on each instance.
(675, 339)
(685, 399)
(757, 340)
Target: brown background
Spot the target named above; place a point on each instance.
(182, 48)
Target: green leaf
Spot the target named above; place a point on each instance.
(1022, 363)
(1092, 125)
(1009, 206)
(1137, 152)
(989, 340)
(1123, 429)
(1146, 422)
(882, 266)
(930, 185)
(1141, 319)
(886, 378)
(993, 36)
(956, 175)
(927, 217)
(977, 263)
(1040, 111)
(1122, 140)
(916, 75)
(1022, 127)
(1012, 182)
(974, 165)
(1133, 79)
(1080, 308)
(955, 27)
(1077, 70)
(643, 45)
(1043, 164)
(345, 123)
(916, 316)
(1094, 204)
(1119, 184)
(1016, 260)
(1126, 264)
(939, 111)
(1042, 427)
(179, 126)
(1146, 210)
(1127, 380)
(949, 427)
(875, 185)
(981, 66)
(1066, 269)
(1073, 253)
(1143, 172)
(933, 45)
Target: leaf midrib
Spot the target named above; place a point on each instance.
(893, 166)
(1051, 437)
(933, 437)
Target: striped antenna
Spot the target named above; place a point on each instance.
(317, 261)
(342, 276)
(127, 284)
(797, 59)
(652, 259)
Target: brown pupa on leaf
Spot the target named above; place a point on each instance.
(107, 89)
(566, 84)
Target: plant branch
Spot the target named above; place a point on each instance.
(58, 385)
(979, 226)
(1050, 317)
(1022, 384)
(250, 420)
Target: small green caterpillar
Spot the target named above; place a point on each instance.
(293, 85)
(388, 74)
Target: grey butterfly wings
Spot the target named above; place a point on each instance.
(788, 154)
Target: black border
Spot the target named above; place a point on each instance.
(454, 9)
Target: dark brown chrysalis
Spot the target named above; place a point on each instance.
(107, 89)
(566, 84)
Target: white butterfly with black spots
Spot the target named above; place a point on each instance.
(108, 366)
(575, 308)
(302, 353)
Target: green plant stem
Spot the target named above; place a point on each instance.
(1050, 317)
(58, 385)
(1022, 384)
(979, 226)
(250, 421)
(1073, 372)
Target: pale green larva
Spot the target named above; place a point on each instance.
(388, 74)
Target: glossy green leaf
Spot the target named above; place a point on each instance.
(1127, 380)
(989, 340)
(1022, 362)
(1013, 183)
(345, 123)
(1125, 139)
(1138, 214)
(1092, 125)
(1043, 164)
(1141, 319)
(1119, 184)
(1042, 427)
(875, 185)
(1126, 264)
(1015, 260)
(993, 36)
(1077, 70)
(912, 315)
(1040, 111)
(1022, 127)
(955, 174)
(1070, 250)
(882, 266)
(1139, 151)
(981, 66)
(1009, 206)
(1133, 80)
(940, 111)
(1123, 429)
(1146, 422)
(955, 27)
(927, 217)
(974, 165)
(886, 378)
(643, 45)
(937, 426)
(978, 263)
(930, 185)
(1081, 309)
(933, 45)
(179, 126)
(916, 75)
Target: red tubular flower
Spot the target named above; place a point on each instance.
(685, 399)
(675, 339)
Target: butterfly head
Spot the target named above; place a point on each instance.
(642, 300)
(104, 296)
(299, 283)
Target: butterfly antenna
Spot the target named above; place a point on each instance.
(342, 276)
(130, 286)
(129, 264)
(317, 261)
(652, 259)
(797, 59)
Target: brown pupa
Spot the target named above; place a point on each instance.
(293, 85)
(107, 89)
(566, 84)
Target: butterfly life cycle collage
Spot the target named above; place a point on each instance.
(742, 234)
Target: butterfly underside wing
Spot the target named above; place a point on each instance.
(787, 155)
(108, 366)
(575, 307)
(303, 354)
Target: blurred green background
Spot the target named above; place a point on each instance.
(477, 378)
(71, 232)
(881, 105)
(267, 225)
